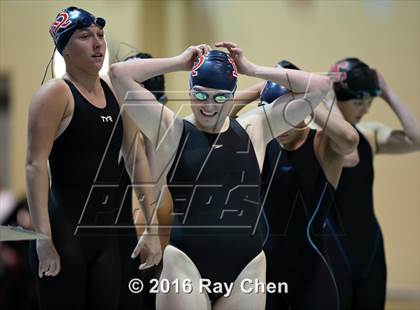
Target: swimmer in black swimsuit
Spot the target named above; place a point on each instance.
(357, 235)
(212, 165)
(301, 171)
(130, 215)
(74, 125)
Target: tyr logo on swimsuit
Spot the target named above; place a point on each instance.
(106, 119)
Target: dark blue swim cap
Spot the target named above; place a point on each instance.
(272, 90)
(287, 65)
(216, 69)
(68, 21)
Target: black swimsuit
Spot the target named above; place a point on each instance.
(357, 235)
(84, 177)
(298, 198)
(215, 185)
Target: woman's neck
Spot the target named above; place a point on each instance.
(90, 83)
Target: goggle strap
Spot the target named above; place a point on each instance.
(49, 63)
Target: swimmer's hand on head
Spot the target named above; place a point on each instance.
(385, 90)
(385, 139)
(243, 65)
(305, 92)
(187, 57)
(149, 249)
(49, 260)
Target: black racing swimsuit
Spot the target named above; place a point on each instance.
(84, 181)
(358, 237)
(84, 162)
(215, 186)
(297, 198)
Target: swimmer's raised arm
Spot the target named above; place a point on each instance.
(389, 140)
(151, 118)
(245, 97)
(306, 92)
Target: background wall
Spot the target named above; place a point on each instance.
(312, 34)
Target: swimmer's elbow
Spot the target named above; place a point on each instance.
(416, 138)
(34, 163)
(350, 142)
(116, 72)
(35, 168)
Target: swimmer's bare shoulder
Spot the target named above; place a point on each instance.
(50, 106)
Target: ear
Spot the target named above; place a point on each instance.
(65, 53)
